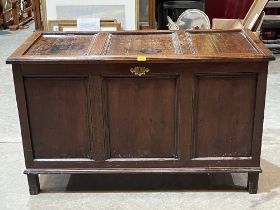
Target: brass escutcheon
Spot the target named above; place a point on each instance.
(139, 70)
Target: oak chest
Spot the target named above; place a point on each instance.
(141, 102)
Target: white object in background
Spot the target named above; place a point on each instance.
(171, 25)
(190, 19)
(88, 24)
(55, 28)
(108, 29)
(193, 19)
(67, 29)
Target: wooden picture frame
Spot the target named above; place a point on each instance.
(71, 25)
(129, 18)
(253, 14)
(152, 14)
(37, 14)
(147, 9)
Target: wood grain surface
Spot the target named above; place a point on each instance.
(156, 46)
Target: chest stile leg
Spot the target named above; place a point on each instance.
(253, 179)
(34, 184)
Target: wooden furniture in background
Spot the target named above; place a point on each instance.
(141, 102)
(21, 18)
(6, 18)
(15, 14)
(37, 14)
(273, 22)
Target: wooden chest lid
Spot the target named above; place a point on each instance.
(148, 46)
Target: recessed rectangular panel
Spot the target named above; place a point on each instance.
(221, 43)
(224, 115)
(63, 45)
(144, 44)
(141, 117)
(58, 117)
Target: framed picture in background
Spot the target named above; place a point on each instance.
(147, 11)
(71, 25)
(126, 12)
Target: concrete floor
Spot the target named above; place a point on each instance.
(167, 192)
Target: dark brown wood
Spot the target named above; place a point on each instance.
(23, 115)
(144, 170)
(89, 104)
(140, 96)
(218, 125)
(63, 95)
(34, 184)
(253, 179)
